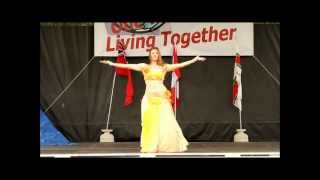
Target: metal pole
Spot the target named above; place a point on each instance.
(111, 97)
(69, 84)
(175, 99)
(240, 119)
(272, 76)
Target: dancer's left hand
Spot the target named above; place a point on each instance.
(201, 58)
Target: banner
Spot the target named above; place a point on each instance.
(205, 39)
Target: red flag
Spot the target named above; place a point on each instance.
(237, 86)
(176, 74)
(121, 59)
(125, 72)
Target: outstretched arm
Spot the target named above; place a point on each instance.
(135, 67)
(172, 67)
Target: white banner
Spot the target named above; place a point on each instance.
(204, 39)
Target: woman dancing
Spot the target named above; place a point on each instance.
(160, 129)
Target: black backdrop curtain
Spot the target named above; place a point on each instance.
(206, 112)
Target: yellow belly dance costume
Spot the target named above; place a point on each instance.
(160, 129)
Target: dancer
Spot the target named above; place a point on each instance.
(160, 129)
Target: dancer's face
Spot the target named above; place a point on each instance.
(154, 55)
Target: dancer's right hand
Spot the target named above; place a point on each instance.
(198, 58)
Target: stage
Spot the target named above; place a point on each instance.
(132, 150)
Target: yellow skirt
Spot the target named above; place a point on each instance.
(160, 130)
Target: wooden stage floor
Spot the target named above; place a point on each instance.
(132, 149)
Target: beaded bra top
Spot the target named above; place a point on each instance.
(151, 74)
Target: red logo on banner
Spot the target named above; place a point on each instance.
(133, 27)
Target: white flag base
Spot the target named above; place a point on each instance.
(240, 136)
(106, 136)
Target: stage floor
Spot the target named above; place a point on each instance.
(132, 149)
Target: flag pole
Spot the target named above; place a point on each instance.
(175, 100)
(111, 97)
(237, 54)
(175, 90)
(107, 136)
(240, 136)
(240, 119)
